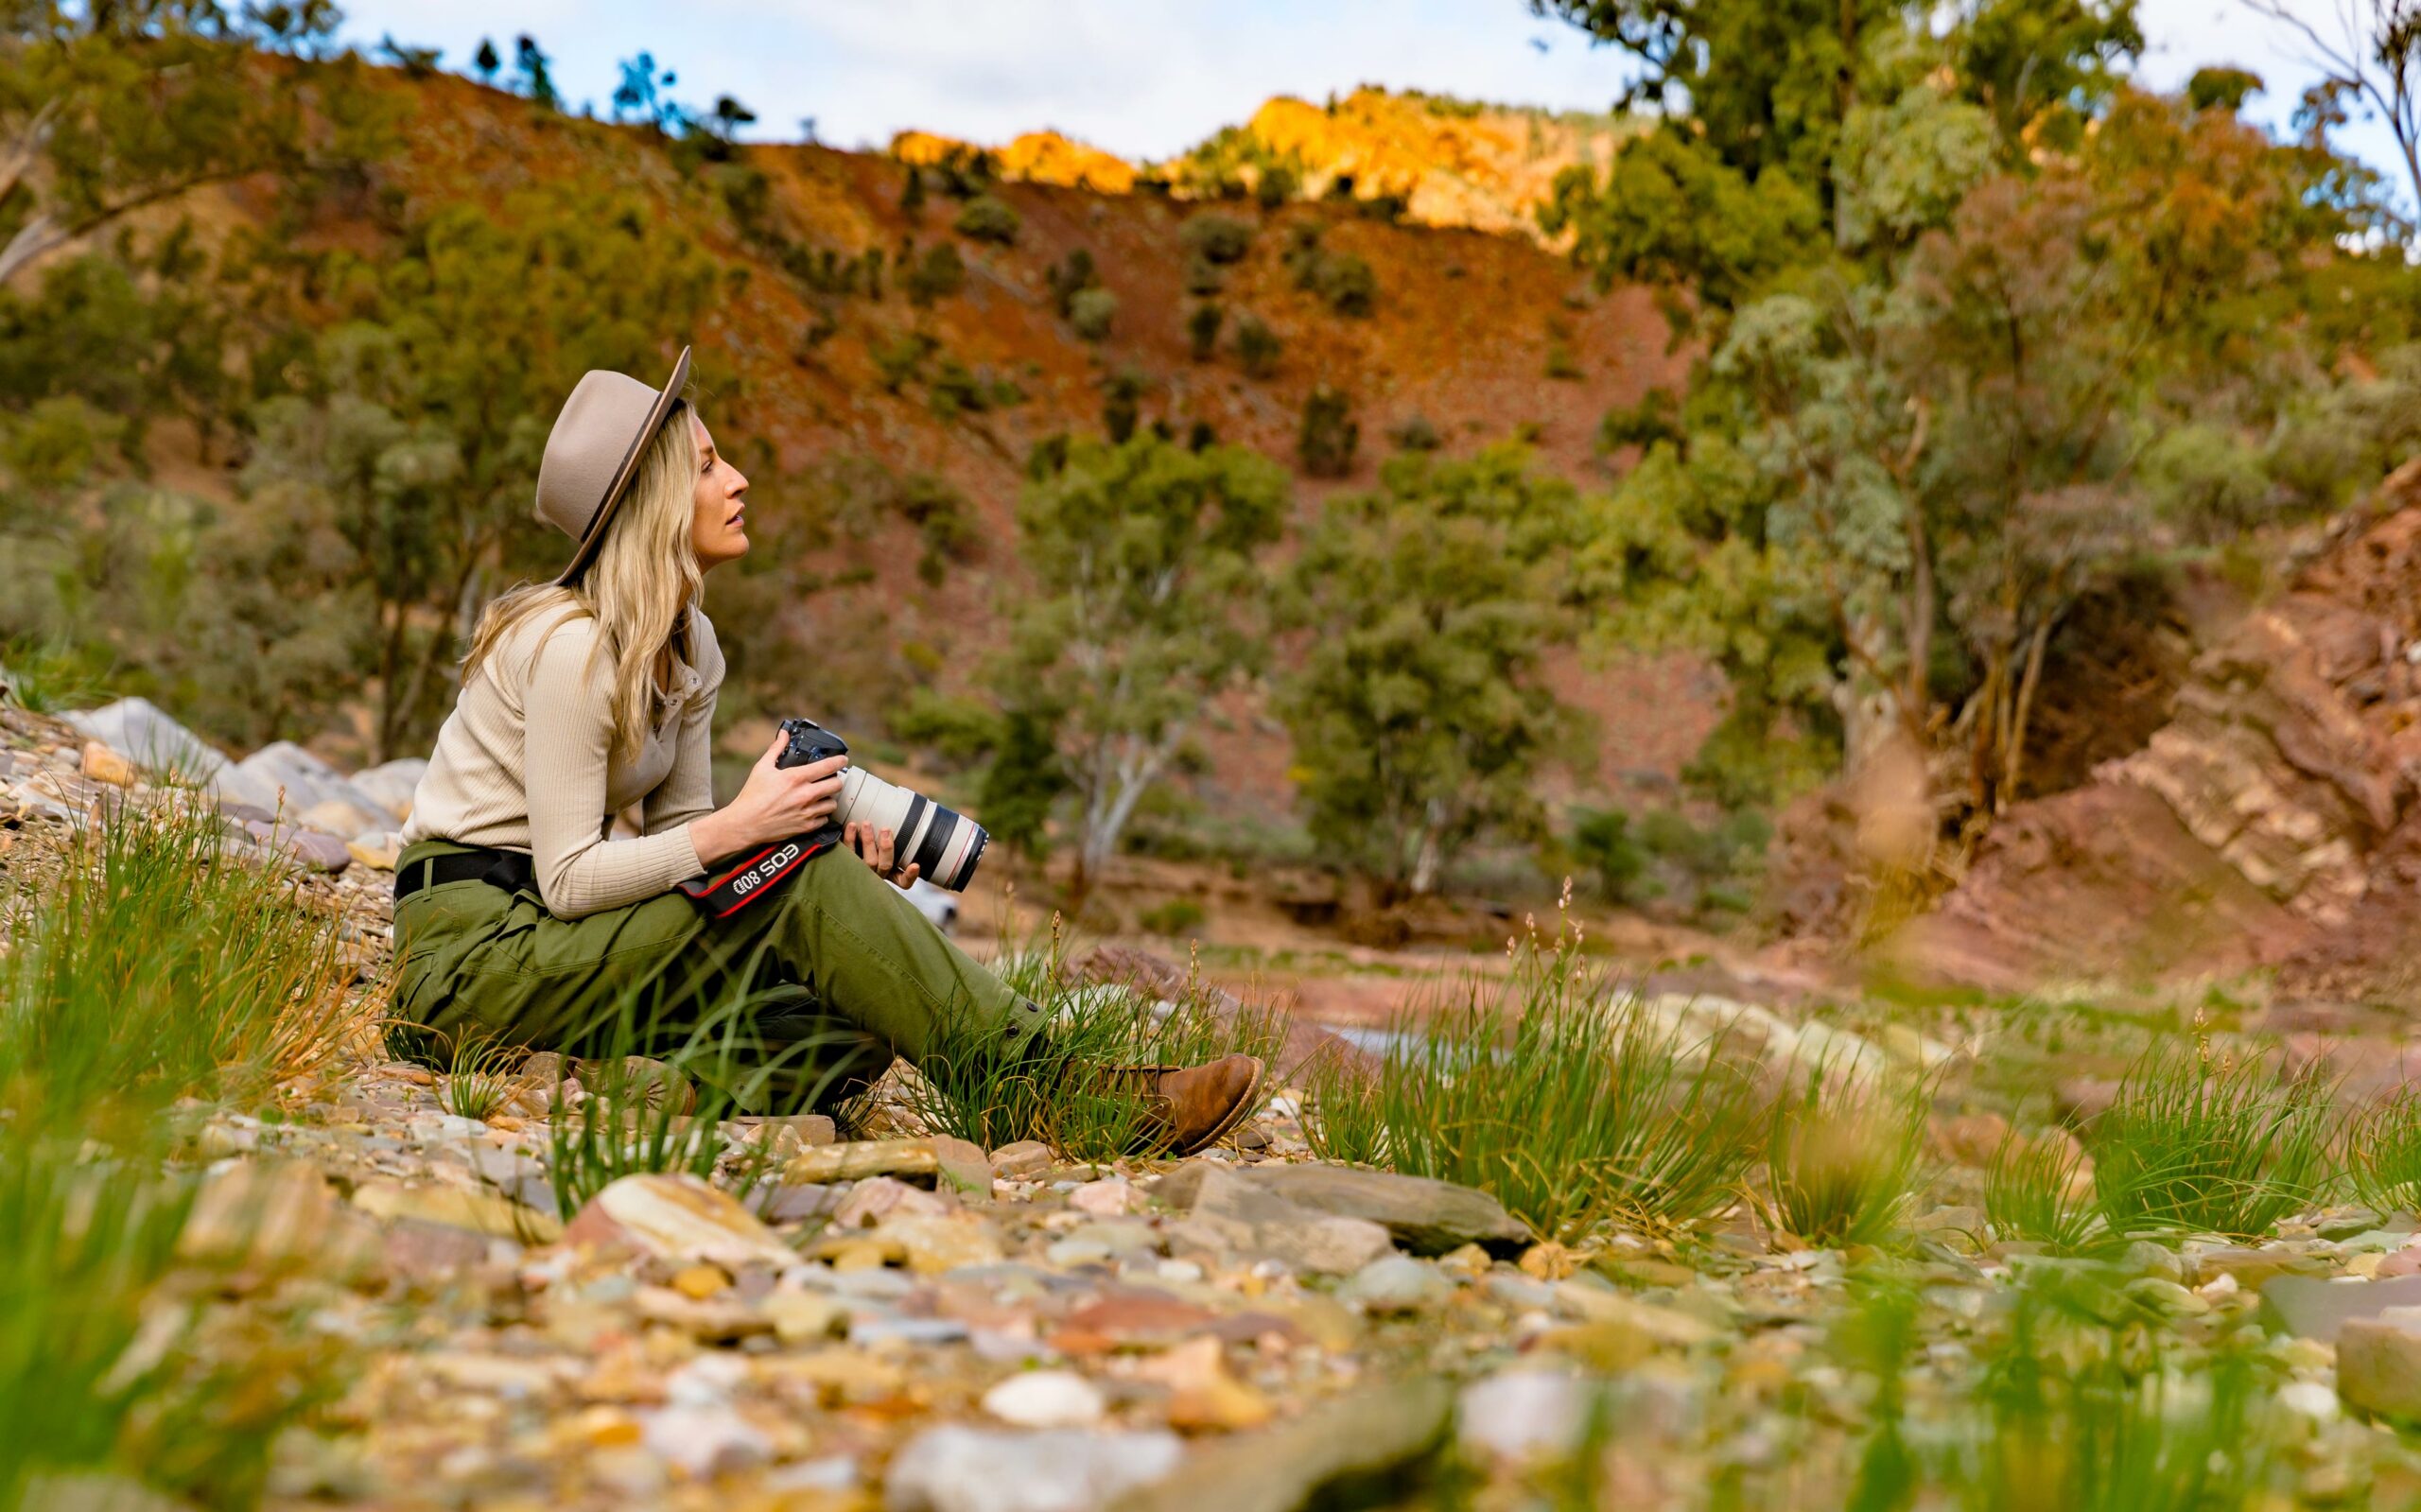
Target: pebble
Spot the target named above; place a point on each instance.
(704, 1441)
(1396, 1283)
(1523, 1414)
(1112, 1198)
(1045, 1398)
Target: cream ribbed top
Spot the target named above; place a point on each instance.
(523, 764)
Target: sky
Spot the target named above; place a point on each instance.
(1146, 79)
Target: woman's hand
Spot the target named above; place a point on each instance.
(873, 846)
(775, 804)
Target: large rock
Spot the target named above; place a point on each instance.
(1227, 1212)
(1427, 1217)
(677, 1218)
(970, 1469)
(393, 784)
(2378, 1364)
(2310, 1307)
(138, 730)
(286, 773)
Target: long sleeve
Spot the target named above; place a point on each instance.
(567, 737)
(689, 791)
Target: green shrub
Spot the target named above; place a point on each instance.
(1202, 276)
(1070, 276)
(1572, 1103)
(1178, 916)
(1342, 280)
(1326, 441)
(1256, 346)
(2210, 1143)
(1091, 312)
(1024, 782)
(1602, 842)
(1202, 329)
(900, 359)
(986, 218)
(1415, 433)
(1217, 239)
(937, 275)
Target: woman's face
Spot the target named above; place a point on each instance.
(717, 529)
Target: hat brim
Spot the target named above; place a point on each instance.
(595, 536)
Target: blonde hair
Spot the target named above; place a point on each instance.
(639, 588)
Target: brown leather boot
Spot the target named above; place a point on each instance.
(1194, 1109)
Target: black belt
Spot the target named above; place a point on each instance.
(509, 869)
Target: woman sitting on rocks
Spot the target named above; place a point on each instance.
(518, 920)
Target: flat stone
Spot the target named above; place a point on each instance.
(914, 1160)
(2309, 1307)
(312, 850)
(677, 1218)
(1364, 1433)
(1129, 1316)
(2253, 1269)
(479, 1211)
(276, 1217)
(973, 1469)
(377, 849)
(1228, 1213)
(334, 816)
(2378, 1366)
(1427, 1217)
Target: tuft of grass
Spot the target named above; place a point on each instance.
(2035, 1191)
(1549, 1089)
(48, 676)
(1079, 1084)
(634, 1118)
(2207, 1143)
(2381, 1152)
(2082, 1410)
(1840, 1153)
(145, 969)
(149, 967)
(479, 1078)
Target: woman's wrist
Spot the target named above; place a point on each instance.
(716, 834)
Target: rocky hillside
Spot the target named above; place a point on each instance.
(1454, 162)
(865, 396)
(2271, 826)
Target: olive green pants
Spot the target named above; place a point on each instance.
(824, 982)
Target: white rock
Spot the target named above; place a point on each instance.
(1519, 1414)
(704, 1441)
(1396, 1283)
(137, 729)
(305, 780)
(970, 1469)
(2308, 1398)
(1045, 1398)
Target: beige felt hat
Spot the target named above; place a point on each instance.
(595, 448)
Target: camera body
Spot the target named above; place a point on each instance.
(943, 844)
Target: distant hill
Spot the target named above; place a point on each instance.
(1471, 337)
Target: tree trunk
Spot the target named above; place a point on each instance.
(1429, 860)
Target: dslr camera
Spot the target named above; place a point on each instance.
(943, 844)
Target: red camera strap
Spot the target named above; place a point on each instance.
(733, 883)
